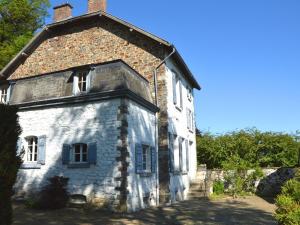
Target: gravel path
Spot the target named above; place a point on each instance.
(245, 211)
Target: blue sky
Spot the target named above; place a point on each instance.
(245, 54)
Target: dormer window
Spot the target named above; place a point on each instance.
(81, 83)
(4, 94)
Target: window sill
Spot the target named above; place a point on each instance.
(146, 174)
(30, 166)
(78, 165)
(177, 173)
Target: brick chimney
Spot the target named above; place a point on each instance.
(96, 5)
(62, 12)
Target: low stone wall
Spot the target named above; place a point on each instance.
(269, 186)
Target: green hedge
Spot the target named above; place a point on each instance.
(288, 202)
(256, 148)
(9, 161)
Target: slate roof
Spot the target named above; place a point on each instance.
(109, 80)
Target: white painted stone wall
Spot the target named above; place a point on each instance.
(178, 125)
(84, 123)
(141, 129)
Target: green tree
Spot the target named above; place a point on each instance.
(9, 161)
(19, 19)
(265, 149)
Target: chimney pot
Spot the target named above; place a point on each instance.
(96, 5)
(62, 12)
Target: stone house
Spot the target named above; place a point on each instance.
(106, 104)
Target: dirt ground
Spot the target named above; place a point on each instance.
(244, 211)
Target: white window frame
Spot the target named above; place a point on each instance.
(146, 156)
(189, 93)
(176, 152)
(81, 153)
(190, 120)
(77, 88)
(4, 91)
(178, 91)
(32, 150)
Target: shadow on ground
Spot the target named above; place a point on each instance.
(252, 210)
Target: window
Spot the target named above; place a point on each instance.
(179, 154)
(177, 91)
(32, 149)
(189, 93)
(81, 82)
(146, 158)
(3, 95)
(80, 153)
(190, 119)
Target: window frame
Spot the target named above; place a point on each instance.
(177, 91)
(34, 153)
(82, 147)
(146, 158)
(189, 93)
(81, 86)
(190, 120)
(4, 88)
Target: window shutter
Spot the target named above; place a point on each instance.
(42, 150)
(138, 158)
(187, 155)
(20, 147)
(188, 118)
(88, 81)
(180, 141)
(66, 154)
(174, 88)
(180, 92)
(8, 93)
(92, 153)
(75, 85)
(153, 160)
(171, 152)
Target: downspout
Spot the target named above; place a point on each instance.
(156, 122)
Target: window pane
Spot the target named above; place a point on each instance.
(77, 149)
(84, 157)
(84, 148)
(77, 157)
(82, 81)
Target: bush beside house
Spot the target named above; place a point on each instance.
(288, 202)
(9, 161)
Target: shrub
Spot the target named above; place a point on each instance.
(288, 203)
(9, 161)
(218, 187)
(54, 195)
(240, 177)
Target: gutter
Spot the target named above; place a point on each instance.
(156, 122)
